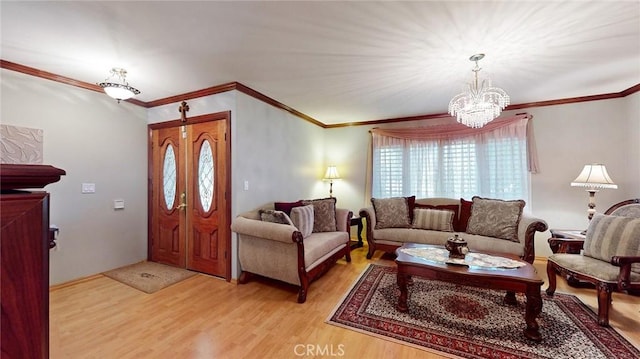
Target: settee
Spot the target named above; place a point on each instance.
(486, 224)
(295, 245)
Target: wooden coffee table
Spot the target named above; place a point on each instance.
(524, 279)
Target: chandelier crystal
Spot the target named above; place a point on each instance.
(480, 103)
(119, 90)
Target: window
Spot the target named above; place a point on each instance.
(491, 162)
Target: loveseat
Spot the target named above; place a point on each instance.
(486, 224)
(293, 242)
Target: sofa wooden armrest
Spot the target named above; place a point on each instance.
(527, 228)
(624, 278)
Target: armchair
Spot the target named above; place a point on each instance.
(287, 253)
(610, 258)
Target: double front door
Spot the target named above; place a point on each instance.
(189, 219)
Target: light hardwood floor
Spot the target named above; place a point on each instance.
(205, 317)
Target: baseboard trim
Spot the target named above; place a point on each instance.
(74, 282)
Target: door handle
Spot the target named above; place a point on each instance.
(183, 201)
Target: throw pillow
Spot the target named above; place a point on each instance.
(286, 206)
(447, 207)
(609, 236)
(465, 214)
(438, 220)
(324, 214)
(495, 218)
(391, 212)
(302, 218)
(270, 215)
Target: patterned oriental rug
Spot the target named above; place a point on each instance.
(461, 321)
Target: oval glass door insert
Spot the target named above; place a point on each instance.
(205, 175)
(169, 177)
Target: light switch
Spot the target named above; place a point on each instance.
(118, 204)
(246, 185)
(88, 188)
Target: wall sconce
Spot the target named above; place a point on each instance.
(331, 175)
(593, 177)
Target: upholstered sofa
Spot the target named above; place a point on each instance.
(296, 245)
(486, 224)
(609, 256)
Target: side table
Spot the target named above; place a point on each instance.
(357, 221)
(572, 241)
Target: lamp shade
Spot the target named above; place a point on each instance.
(331, 174)
(594, 176)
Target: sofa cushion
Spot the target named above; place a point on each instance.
(439, 220)
(465, 214)
(324, 214)
(286, 206)
(447, 207)
(392, 212)
(495, 218)
(609, 236)
(303, 218)
(319, 245)
(270, 215)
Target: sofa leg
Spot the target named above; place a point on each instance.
(244, 277)
(372, 250)
(551, 274)
(302, 295)
(604, 301)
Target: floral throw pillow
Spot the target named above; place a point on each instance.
(324, 214)
(392, 212)
(495, 218)
(269, 215)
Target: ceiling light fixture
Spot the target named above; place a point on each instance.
(480, 103)
(119, 90)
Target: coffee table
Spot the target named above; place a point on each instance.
(524, 279)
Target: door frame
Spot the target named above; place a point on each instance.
(218, 116)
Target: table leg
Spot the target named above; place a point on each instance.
(533, 309)
(404, 293)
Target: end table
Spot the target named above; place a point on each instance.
(572, 241)
(357, 221)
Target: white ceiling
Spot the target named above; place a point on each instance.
(337, 62)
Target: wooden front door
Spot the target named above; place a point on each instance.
(189, 219)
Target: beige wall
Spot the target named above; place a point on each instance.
(568, 137)
(278, 155)
(96, 140)
(281, 156)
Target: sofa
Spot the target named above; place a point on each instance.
(486, 224)
(608, 257)
(294, 242)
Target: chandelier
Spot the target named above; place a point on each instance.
(119, 90)
(480, 103)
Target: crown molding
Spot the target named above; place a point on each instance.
(266, 99)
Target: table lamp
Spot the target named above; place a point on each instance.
(594, 177)
(331, 175)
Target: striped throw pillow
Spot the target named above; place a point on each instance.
(609, 236)
(435, 219)
(302, 218)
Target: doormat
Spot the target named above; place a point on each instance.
(460, 321)
(149, 277)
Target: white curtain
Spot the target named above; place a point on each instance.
(452, 161)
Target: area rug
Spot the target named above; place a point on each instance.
(460, 321)
(149, 277)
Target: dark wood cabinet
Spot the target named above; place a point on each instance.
(24, 260)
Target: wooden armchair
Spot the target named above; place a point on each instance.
(610, 258)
